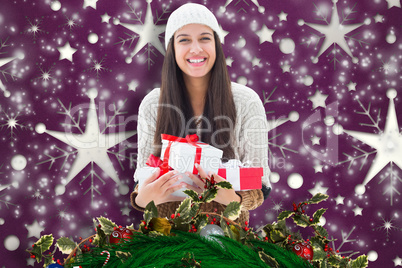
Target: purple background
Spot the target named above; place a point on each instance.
(36, 86)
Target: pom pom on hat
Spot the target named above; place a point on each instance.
(188, 14)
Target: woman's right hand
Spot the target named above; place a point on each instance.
(159, 190)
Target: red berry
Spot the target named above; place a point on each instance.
(308, 240)
(303, 211)
(246, 222)
(33, 256)
(245, 228)
(172, 216)
(90, 240)
(146, 228)
(311, 220)
(325, 249)
(337, 251)
(214, 219)
(266, 238)
(80, 238)
(227, 223)
(178, 214)
(328, 255)
(115, 228)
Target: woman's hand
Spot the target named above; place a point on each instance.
(159, 190)
(224, 196)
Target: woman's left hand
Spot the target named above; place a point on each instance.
(224, 196)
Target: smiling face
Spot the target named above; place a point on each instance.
(194, 46)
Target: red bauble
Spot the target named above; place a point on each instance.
(119, 235)
(304, 250)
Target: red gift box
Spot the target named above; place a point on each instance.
(243, 178)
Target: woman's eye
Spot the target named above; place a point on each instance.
(206, 38)
(183, 40)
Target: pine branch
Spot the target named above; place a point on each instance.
(281, 147)
(3, 44)
(351, 159)
(138, 17)
(131, 38)
(119, 155)
(375, 123)
(164, 11)
(116, 113)
(345, 240)
(67, 112)
(334, 51)
(7, 202)
(323, 16)
(345, 18)
(53, 159)
(360, 41)
(393, 176)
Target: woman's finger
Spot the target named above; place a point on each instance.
(196, 179)
(166, 177)
(153, 177)
(201, 171)
(192, 187)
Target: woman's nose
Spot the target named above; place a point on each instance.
(195, 47)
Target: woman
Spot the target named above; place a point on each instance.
(196, 96)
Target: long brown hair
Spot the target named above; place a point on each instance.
(175, 114)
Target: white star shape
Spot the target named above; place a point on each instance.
(285, 68)
(66, 52)
(30, 262)
(148, 33)
(334, 33)
(318, 189)
(339, 199)
(132, 85)
(283, 16)
(256, 61)
(315, 140)
(265, 34)
(387, 143)
(318, 99)
(90, 3)
(358, 211)
(397, 261)
(393, 3)
(105, 18)
(318, 168)
(34, 229)
(378, 18)
(351, 86)
(229, 61)
(224, 34)
(125, 211)
(92, 147)
(3, 62)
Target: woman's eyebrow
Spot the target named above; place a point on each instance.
(189, 35)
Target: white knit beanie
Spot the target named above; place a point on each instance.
(188, 14)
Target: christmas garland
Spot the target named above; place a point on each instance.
(193, 238)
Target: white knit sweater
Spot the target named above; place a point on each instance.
(251, 131)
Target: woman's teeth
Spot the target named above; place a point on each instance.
(196, 60)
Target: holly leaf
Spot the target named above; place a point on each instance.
(268, 260)
(232, 211)
(210, 195)
(228, 231)
(106, 225)
(40, 246)
(323, 264)
(48, 260)
(100, 238)
(301, 220)
(202, 221)
(150, 212)
(277, 236)
(192, 194)
(224, 185)
(184, 208)
(123, 256)
(194, 209)
(65, 245)
(317, 215)
(317, 198)
(321, 230)
(285, 214)
(360, 262)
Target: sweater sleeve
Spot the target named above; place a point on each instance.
(253, 144)
(145, 134)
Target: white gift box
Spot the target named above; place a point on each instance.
(183, 154)
(141, 174)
